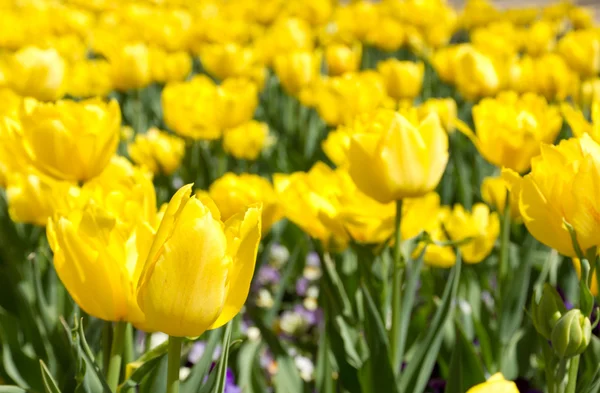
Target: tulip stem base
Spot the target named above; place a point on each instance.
(174, 363)
(116, 356)
(397, 278)
(572, 376)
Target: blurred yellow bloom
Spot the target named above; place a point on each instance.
(419, 214)
(478, 13)
(233, 193)
(100, 246)
(284, 36)
(388, 35)
(579, 124)
(403, 79)
(581, 17)
(437, 255)
(346, 15)
(37, 73)
(167, 67)
(510, 128)
(581, 50)
(445, 108)
(198, 271)
(297, 70)
(83, 136)
(247, 141)
(232, 60)
(399, 160)
(500, 37)
(130, 66)
(493, 192)
(540, 38)
(590, 92)
(199, 109)
(309, 200)
(157, 150)
(89, 78)
(315, 12)
(481, 226)
(551, 193)
(495, 384)
(341, 58)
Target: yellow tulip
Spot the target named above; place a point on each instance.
(101, 241)
(445, 108)
(232, 60)
(477, 74)
(581, 50)
(315, 12)
(495, 384)
(388, 35)
(548, 75)
(419, 214)
(297, 70)
(286, 35)
(236, 101)
(157, 150)
(89, 78)
(342, 58)
(403, 79)
(480, 225)
(540, 38)
(551, 194)
(37, 73)
(510, 128)
(233, 193)
(437, 255)
(166, 67)
(493, 192)
(83, 136)
(247, 141)
(198, 271)
(130, 66)
(400, 160)
(579, 124)
(590, 92)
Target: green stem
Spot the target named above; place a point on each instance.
(549, 366)
(174, 362)
(106, 340)
(397, 278)
(128, 345)
(116, 356)
(572, 379)
(562, 369)
(504, 240)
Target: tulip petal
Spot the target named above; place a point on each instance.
(364, 168)
(243, 235)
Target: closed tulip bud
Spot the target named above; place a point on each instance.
(400, 160)
(297, 70)
(130, 66)
(510, 128)
(198, 271)
(477, 73)
(38, 73)
(342, 58)
(546, 311)
(403, 79)
(571, 335)
(83, 136)
(233, 193)
(550, 194)
(247, 141)
(495, 384)
(158, 151)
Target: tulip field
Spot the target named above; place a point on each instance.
(299, 196)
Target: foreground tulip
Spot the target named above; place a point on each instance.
(37, 73)
(510, 128)
(197, 275)
(399, 161)
(70, 140)
(496, 384)
(553, 193)
(158, 151)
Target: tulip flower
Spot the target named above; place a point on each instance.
(402, 79)
(198, 271)
(581, 50)
(297, 70)
(400, 159)
(130, 66)
(551, 195)
(579, 124)
(342, 58)
(157, 151)
(37, 73)
(495, 384)
(494, 191)
(247, 141)
(83, 136)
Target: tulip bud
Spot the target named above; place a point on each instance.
(547, 311)
(571, 334)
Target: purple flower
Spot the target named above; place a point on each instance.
(230, 386)
(267, 275)
(311, 317)
(302, 285)
(312, 259)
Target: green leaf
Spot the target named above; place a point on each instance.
(323, 378)
(251, 376)
(12, 389)
(333, 284)
(377, 374)
(465, 367)
(49, 382)
(201, 369)
(417, 373)
(223, 361)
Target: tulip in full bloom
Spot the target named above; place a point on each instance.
(551, 194)
(158, 151)
(247, 141)
(37, 73)
(198, 271)
(510, 128)
(399, 159)
(403, 79)
(495, 384)
(101, 240)
(233, 193)
(83, 136)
